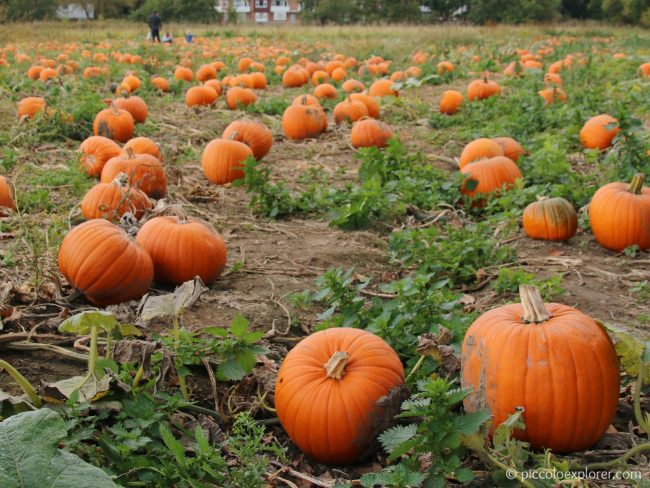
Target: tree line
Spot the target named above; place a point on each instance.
(360, 11)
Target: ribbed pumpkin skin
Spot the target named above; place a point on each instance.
(30, 106)
(595, 135)
(143, 145)
(382, 88)
(238, 96)
(563, 371)
(511, 148)
(370, 132)
(620, 218)
(102, 261)
(222, 160)
(182, 250)
(491, 175)
(135, 106)
(110, 201)
(302, 121)
(450, 102)
(349, 111)
(370, 103)
(200, 95)
(550, 219)
(145, 173)
(254, 134)
(6, 195)
(95, 153)
(481, 89)
(114, 124)
(330, 420)
(482, 148)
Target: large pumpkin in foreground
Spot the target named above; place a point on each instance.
(620, 215)
(182, 248)
(551, 359)
(100, 259)
(327, 393)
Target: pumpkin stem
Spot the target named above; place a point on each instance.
(233, 136)
(121, 180)
(335, 366)
(541, 198)
(636, 185)
(114, 109)
(129, 153)
(534, 309)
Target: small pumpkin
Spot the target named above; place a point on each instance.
(482, 89)
(551, 359)
(599, 131)
(182, 248)
(101, 260)
(450, 102)
(145, 172)
(253, 133)
(444, 67)
(160, 83)
(206, 72)
(349, 111)
(28, 107)
(511, 148)
(223, 160)
(487, 176)
(619, 214)
(327, 390)
(303, 121)
(552, 95)
(183, 73)
(550, 219)
(325, 90)
(353, 86)
(143, 145)
(6, 197)
(135, 105)
(112, 200)
(240, 97)
(200, 95)
(370, 103)
(383, 88)
(482, 148)
(95, 153)
(114, 123)
(369, 132)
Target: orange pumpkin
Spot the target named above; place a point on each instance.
(327, 392)
(370, 103)
(112, 200)
(369, 132)
(215, 85)
(145, 172)
(238, 97)
(95, 152)
(326, 90)
(206, 72)
(450, 102)
(550, 219)
(200, 95)
(479, 149)
(114, 123)
(303, 121)
(553, 94)
(143, 145)
(101, 260)
(382, 88)
(482, 89)
(254, 134)
(620, 215)
(487, 176)
(444, 67)
(160, 83)
(552, 360)
(511, 148)
(6, 197)
(349, 111)
(223, 160)
(352, 86)
(135, 105)
(182, 248)
(183, 74)
(30, 106)
(599, 131)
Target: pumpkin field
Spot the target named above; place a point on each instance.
(392, 256)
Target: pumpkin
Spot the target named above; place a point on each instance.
(215, 85)
(479, 149)
(254, 134)
(160, 83)
(327, 392)
(369, 132)
(240, 97)
(6, 197)
(183, 74)
(132, 81)
(349, 111)
(205, 73)
(553, 94)
(382, 88)
(444, 67)
(223, 160)
(482, 89)
(326, 90)
(550, 219)
(370, 103)
(114, 123)
(319, 77)
(339, 74)
(620, 215)
(200, 95)
(101, 260)
(259, 80)
(599, 131)
(143, 145)
(351, 86)
(182, 248)
(644, 70)
(306, 99)
(450, 102)
(489, 175)
(244, 64)
(34, 72)
(551, 359)
(95, 152)
(135, 106)
(303, 121)
(553, 79)
(28, 107)
(112, 200)
(145, 172)
(294, 78)
(511, 148)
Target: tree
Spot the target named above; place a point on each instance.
(513, 11)
(179, 10)
(27, 10)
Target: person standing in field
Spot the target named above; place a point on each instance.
(155, 22)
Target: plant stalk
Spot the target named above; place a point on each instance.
(24, 384)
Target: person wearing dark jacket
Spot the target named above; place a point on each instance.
(155, 22)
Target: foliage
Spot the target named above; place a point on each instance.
(178, 10)
(513, 12)
(509, 280)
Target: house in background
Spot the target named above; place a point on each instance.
(76, 11)
(262, 11)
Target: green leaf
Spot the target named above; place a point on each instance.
(239, 325)
(634, 354)
(230, 370)
(471, 423)
(463, 475)
(172, 444)
(129, 330)
(215, 331)
(503, 432)
(81, 323)
(393, 437)
(29, 456)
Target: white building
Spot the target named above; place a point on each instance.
(76, 11)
